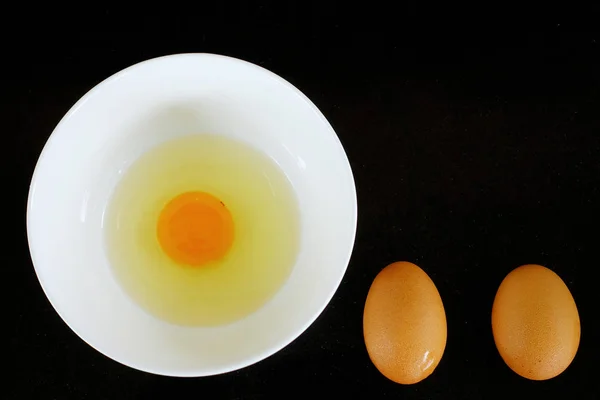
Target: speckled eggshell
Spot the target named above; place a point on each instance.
(535, 323)
(404, 323)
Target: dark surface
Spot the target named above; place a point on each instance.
(473, 153)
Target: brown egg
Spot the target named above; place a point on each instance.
(404, 323)
(535, 323)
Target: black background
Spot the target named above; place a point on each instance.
(475, 149)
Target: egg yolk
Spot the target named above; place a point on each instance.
(195, 228)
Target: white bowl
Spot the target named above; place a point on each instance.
(121, 118)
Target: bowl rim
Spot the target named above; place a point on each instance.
(271, 350)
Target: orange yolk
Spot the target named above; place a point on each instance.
(195, 228)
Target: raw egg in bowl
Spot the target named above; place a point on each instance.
(191, 215)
